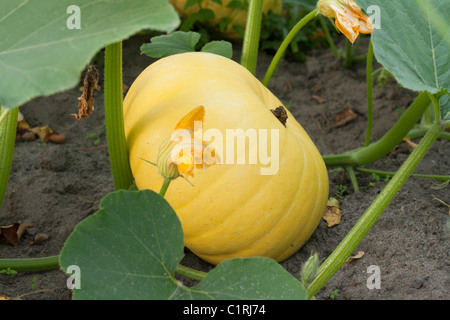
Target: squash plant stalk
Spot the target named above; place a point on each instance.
(348, 54)
(190, 273)
(115, 131)
(164, 187)
(32, 264)
(279, 54)
(417, 133)
(389, 141)
(382, 173)
(367, 220)
(8, 127)
(249, 54)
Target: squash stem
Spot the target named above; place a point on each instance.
(115, 131)
(348, 54)
(164, 187)
(32, 264)
(367, 220)
(420, 132)
(8, 127)
(280, 52)
(352, 176)
(389, 174)
(250, 46)
(389, 141)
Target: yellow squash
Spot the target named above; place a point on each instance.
(237, 16)
(229, 210)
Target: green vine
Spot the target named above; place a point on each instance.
(8, 125)
(115, 132)
(249, 54)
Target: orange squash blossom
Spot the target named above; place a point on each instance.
(349, 18)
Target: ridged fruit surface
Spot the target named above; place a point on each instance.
(232, 209)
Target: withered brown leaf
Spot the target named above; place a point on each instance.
(25, 133)
(38, 238)
(12, 234)
(357, 256)
(86, 104)
(345, 116)
(319, 99)
(46, 134)
(8, 234)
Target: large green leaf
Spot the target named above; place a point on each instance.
(411, 44)
(131, 247)
(132, 244)
(41, 55)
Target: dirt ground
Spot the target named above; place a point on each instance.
(55, 186)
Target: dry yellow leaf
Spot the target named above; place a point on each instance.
(345, 116)
(359, 255)
(411, 145)
(332, 214)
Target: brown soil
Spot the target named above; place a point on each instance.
(55, 186)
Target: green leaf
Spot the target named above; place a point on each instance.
(166, 45)
(410, 43)
(130, 248)
(191, 3)
(444, 104)
(223, 23)
(39, 53)
(238, 4)
(222, 48)
(180, 42)
(239, 30)
(250, 278)
(205, 14)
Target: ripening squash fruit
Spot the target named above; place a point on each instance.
(243, 207)
(235, 16)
